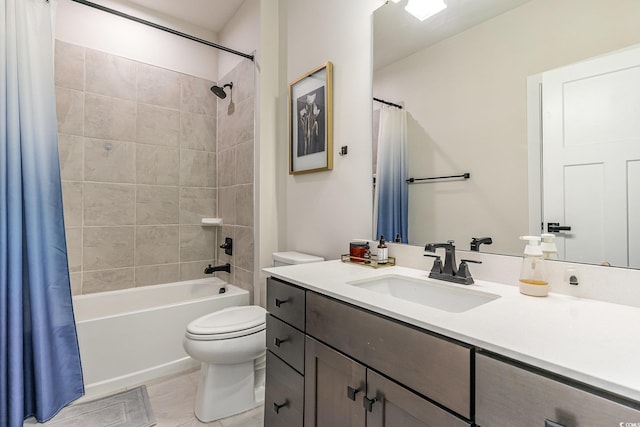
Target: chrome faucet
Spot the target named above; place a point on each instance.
(449, 272)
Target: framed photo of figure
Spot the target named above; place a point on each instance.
(311, 121)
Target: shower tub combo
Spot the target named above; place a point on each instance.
(130, 336)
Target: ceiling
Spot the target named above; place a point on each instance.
(398, 34)
(211, 15)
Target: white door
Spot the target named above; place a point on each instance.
(591, 158)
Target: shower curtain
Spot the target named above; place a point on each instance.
(392, 194)
(40, 368)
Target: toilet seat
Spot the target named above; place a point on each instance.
(232, 322)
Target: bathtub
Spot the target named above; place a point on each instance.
(131, 336)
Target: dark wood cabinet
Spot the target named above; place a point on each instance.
(342, 392)
(508, 395)
(330, 363)
(334, 388)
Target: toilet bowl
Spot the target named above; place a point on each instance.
(231, 345)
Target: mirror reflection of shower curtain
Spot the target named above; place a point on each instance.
(391, 197)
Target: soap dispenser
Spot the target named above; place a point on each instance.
(548, 245)
(533, 277)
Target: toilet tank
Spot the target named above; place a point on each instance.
(290, 258)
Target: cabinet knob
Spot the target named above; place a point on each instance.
(276, 407)
(279, 302)
(368, 403)
(549, 423)
(278, 341)
(351, 392)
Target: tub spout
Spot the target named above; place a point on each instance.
(212, 269)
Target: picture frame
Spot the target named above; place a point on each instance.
(311, 121)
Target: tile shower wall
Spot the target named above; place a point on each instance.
(138, 163)
(235, 173)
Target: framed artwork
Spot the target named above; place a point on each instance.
(311, 121)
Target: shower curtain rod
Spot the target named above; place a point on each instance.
(387, 102)
(163, 28)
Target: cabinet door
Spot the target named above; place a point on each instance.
(334, 388)
(510, 396)
(283, 401)
(393, 405)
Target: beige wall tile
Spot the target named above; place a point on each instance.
(107, 248)
(110, 75)
(244, 248)
(69, 65)
(72, 203)
(109, 118)
(158, 126)
(109, 204)
(227, 167)
(197, 203)
(158, 86)
(227, 205)
(244, 279)
(194, 270)
(157, 165)
(196, 243)
(244, 205)
(196, 96)
(157, 274)
(74, 248)
(244, 163)
(76, 283)
(157, 205)
(197, 132)
(107, 280)
(243, 74)
(70, 111)
(109, 161)
(197, 169)
(70, 150)
(156, 245)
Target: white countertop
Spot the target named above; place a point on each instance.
(593, 342)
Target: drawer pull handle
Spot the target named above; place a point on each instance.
(351, 392)
(368, 403)
(277, 407)
(279, 302)
(549, 423)
(278, 341)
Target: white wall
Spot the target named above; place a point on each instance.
(324, 210)
(89, 27)
(467, 99)
(241, 33)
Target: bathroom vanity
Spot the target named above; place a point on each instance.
(343, 350)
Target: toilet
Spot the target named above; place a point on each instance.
(231, 345)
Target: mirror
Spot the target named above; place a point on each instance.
(465, 94)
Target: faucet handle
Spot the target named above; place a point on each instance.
(463, 271)
(437, 263)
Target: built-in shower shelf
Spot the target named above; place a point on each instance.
(213, 222)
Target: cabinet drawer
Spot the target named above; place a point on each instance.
(286, 342)
(436, 368)
(286, 302)
(510, 396)
(284, 396)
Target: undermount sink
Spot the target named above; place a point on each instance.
(442, 296)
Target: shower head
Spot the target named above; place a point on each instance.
(219, 91)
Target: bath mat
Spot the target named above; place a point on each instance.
(130, 408)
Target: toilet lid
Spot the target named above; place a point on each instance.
(232, 319)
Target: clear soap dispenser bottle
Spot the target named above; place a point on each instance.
(533, 276)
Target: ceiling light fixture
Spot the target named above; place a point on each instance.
(423, 9)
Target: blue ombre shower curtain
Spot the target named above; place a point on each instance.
(392, 192)
(40, 368)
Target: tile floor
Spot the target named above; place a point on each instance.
(172, 402)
